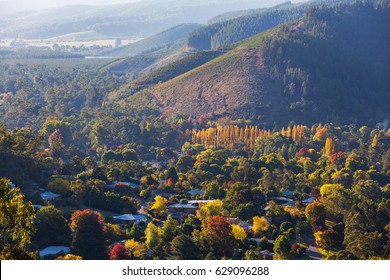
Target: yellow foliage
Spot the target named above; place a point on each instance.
(260, 224)
(160, 205)
(238, 232)
(70, 257)
(136, 249)
(212, 208)
(327, 188)
(329, 147)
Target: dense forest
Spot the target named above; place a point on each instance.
(126, 166)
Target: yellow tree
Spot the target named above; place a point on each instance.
(136, 250)
(329, 147)
(160, 206)
(238, 232)
(260, 224)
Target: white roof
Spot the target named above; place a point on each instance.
(53, 250)
(38, 207)
(183, 205)
(12, 185)
(49, 195)
(130, 217)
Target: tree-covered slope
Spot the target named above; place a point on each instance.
(333, 64)
(236, 28)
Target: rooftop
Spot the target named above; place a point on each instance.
(130, 217)
(49, 195)
(53, 250)
(183, 205)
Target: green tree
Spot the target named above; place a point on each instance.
(16, 223)
(169, 229)
(152, 236)
(52, 226)
(184, 248)
(282, 247)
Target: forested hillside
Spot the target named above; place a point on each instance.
(281, 74)
(234, 30)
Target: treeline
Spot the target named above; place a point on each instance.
(233, 136)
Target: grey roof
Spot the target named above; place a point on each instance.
(53, 250)
(308, 200)
(130, 217)
(183, 205)
(49, 195)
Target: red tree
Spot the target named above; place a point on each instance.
(118, 252)
(217, 232)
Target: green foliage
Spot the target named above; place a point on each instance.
(16, 223)
(282, 247)
(51, 227)
(184, 248)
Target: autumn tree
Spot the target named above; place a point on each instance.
(69, 257)
(260, 225)
(329, 240)
(159, 207)
(238, 232)
(118, 252)
(329, 148)
(153, 236)
(16, 224)
(88, 238)
(212, 208)
(136, 250)
(218, 234)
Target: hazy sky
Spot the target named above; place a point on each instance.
(10, 6)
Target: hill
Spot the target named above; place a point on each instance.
(332, 64)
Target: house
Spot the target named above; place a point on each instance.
(54, 250)
(183, 208)
(308, 201)
(38, 207)
(12, 185)
(49, 195)
(199, 202)
(118, 183)
(131, 218)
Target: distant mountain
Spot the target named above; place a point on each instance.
(133, 19)
(331, 65)
(249, 12)
(168, 41)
